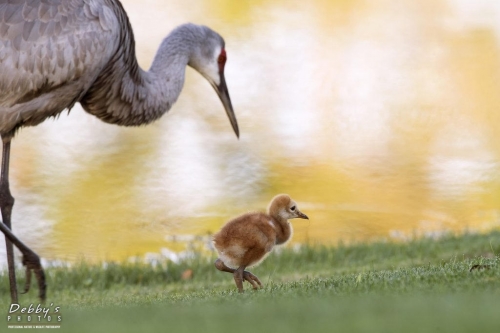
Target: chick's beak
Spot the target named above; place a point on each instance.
(223, 93)
(302, 215)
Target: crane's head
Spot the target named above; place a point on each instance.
(209, 59)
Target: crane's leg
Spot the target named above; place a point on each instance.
(30, 258)
(239, 276)
(6, 203)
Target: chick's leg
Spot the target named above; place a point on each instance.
(238, 278)
(252, 279)
(246, 276)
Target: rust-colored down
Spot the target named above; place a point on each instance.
(246, 240)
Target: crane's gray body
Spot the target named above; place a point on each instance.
(54, 53)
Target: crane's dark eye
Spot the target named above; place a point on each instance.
(221, 60)
(222, 57)
(292, 208)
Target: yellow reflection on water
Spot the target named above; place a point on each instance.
(379, 118)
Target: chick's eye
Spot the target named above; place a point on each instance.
(292, 208)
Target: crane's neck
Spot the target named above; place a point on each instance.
(284, 229)
(126, 95)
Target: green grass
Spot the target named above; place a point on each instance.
(421, 286)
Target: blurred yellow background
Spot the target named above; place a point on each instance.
(380, 118)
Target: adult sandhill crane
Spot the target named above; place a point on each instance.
(55, 53)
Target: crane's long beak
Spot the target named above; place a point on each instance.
(223, 93)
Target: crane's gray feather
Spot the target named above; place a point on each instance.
(54, 53)
(50, 48)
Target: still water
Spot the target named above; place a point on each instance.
(381, 118)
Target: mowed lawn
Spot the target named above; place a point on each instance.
(420, 286)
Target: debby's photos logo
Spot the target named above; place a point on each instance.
(34, 316)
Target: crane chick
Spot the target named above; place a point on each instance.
(246, 240)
